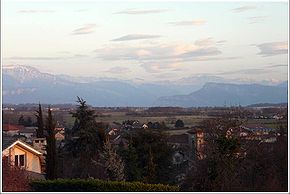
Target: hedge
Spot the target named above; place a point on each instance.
(96, 185)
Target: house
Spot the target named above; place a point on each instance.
(40, 145)
(60, 129)
(178, 140)
(269, 139)
(22, 155)
(184, 150)
(182, 146)
(59, 133)
(120, 141)
(257, 129)
(28, 132)
(277, 117)
(10, 129)
(198, 141)
(132, 124)
(113, 130)
(59, 136)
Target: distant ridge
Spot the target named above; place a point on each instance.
(269, 105)
(25, 84)
(221, 94)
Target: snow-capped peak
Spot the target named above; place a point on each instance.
(19, 68)
(23, 72)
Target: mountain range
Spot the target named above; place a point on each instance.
(221, 94)
(25, 84)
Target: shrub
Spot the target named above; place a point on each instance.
(179, 124)
(14, 178)
(96, 185)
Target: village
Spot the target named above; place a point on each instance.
(188, 142)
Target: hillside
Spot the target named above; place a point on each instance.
(220, 94)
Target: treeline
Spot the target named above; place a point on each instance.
(159, 114)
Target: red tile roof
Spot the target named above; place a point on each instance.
(10, 127)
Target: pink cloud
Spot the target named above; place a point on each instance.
(86, 29)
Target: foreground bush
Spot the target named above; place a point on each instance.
(14, 178)
(94, 185)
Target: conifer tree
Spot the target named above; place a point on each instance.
(51, 158)
(132, 171)
(85, 128)
(151, 172)
(154, 154)
(84, 142)
(40, 125)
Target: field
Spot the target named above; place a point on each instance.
(119, 117)
(66, 119)
(270, 123)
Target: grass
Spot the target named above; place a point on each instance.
(189, 120)
(271, 123)
(121, 116)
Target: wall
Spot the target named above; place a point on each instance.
(32, 161)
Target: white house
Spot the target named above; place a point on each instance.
(23, 155)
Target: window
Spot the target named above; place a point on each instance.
(36, 141)
(20, 160)
(41, 141)
(16, 160)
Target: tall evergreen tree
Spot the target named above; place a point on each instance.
(153, 152)
(85, 128)
(40, 124)
(132, 170)
(51, 157)
(150, 168)
(84, 142)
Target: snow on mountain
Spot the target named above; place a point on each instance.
(23, 73)
(25, 84)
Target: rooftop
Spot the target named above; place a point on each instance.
(28, 130)
(11, 127)
(181, 139)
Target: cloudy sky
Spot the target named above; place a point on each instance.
(150, 41)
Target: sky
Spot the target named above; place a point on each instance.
(149, 41)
